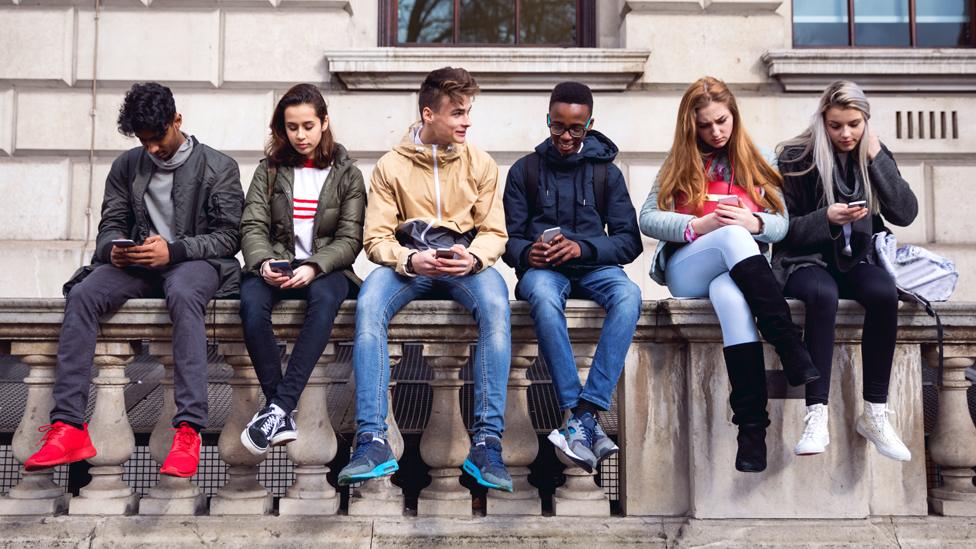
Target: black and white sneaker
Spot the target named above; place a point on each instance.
(287, 432)
(262, 428)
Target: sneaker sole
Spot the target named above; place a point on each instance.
(250, 446)
(284, 437)
(881, 451)
(559, 442)
(77, 455)
(602, 458)
(470, 468)
(813, 453)
(176, 473)
(381, 470)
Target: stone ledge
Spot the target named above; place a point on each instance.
(495, 68)
(892, 70)
(729, 7)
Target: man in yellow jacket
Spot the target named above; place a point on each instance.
(435, 225)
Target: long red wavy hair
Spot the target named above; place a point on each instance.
(683, 173)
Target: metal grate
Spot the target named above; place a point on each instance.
(608, 476)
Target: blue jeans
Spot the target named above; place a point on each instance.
(384, 293)
(324, 296)
(546, 291)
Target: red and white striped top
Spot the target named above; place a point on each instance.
(308, 187)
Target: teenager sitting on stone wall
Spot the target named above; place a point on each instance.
(715, 207)
(839, 180)
(571, 226)
(301, 231)
(434, 223)
(169, 228)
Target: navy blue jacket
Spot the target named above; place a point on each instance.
(565, 199)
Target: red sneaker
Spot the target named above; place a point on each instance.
(184, 455)
(62, 443)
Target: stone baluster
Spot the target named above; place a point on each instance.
(315, 448)
(111, 434)
(444, 444)
(580, 496)
(242, 494)
(379, 496)
(171, 495)
(953, 444)
(521, 444)
(36, 493)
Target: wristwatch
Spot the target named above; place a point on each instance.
(408, 265)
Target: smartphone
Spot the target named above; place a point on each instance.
(549, 234)
(857, 204)
(282, 267)
(123, 243)
(445, 253)
(732, 200)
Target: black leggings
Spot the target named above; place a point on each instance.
(874, 289)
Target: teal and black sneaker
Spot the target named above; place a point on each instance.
(372, 458)
(575, 441)
(602, 446)
(485, 464)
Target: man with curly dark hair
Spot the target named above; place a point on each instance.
(170, 228)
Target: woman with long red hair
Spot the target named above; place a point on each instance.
(715, 208)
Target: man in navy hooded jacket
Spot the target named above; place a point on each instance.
(579, 190)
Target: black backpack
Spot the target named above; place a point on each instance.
(599, 184)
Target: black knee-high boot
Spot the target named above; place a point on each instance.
(747, 376)
(755, 279)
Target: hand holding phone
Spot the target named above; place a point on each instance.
(857, 204)
(123, 243)
(445, 253)
(549, 234)
(281, 267)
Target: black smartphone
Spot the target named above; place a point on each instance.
(123, 243)
(445, 253)
(282, 267)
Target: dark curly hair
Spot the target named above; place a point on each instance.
(279, 150)
(454, 83)
(574, 93)
(147, 107)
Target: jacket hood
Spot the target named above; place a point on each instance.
(423, 154)
(596, 148)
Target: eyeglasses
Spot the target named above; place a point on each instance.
(557, 129)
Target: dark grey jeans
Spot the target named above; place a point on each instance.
(187, 287)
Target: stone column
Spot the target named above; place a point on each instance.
(580, 496)
(379, 496)
(242, 494)
(171, 495)
(953, 444)
(315, 448)
(36, 493)
(111, 434)
(444, 444)
(521, 444)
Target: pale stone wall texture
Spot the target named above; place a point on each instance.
(228, 60)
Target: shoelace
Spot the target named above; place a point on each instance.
(813, 421)
(881, 423)
(271, 423)
(185, 440)
(589, 432)
(494, 455)
(361, 447)
(50, 431)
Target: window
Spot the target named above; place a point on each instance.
(488, 23)
(883, 23)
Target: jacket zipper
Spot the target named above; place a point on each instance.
(437, 183)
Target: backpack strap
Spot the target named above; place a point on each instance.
(600, 189)
(938, 326)
(532, 180)
(272, 172)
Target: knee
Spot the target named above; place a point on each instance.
(494, 308)
(185, 297)
(370, 317)
(736, 238)
(880, 296)
(326, 295)
(83, 297)
(626, 298)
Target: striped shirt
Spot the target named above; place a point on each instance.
(308, 187)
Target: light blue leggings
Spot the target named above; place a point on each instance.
(701, 269)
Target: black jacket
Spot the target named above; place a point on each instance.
(566, 199)
(811, 239)
(207, 205)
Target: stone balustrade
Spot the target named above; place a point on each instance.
(677, 441)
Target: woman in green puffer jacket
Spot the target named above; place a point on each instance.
(300, 233)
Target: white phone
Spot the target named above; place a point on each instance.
(857, 204)
(549, 234)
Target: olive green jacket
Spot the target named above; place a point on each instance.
(268, 230)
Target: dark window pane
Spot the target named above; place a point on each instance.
(881, 23)
(943, 23)
(548, 22)
(487, 22)
(820, 23)
(425, 21)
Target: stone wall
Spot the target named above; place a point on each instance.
(228, 60)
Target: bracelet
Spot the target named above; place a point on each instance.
(690, 234)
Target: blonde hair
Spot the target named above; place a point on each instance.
(683, 173)
(815, 141)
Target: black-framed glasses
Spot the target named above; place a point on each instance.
(557, 129)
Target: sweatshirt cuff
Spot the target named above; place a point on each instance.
(177, 252)
(587, 250)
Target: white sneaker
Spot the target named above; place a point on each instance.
(816, 435)
(874, 426)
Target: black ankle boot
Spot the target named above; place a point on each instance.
(751, 457)
(755, 279)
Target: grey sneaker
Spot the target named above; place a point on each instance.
(603, 447)
(485, 464)
(372, 458)
(575, 440)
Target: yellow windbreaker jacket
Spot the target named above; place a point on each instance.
(455, 187)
